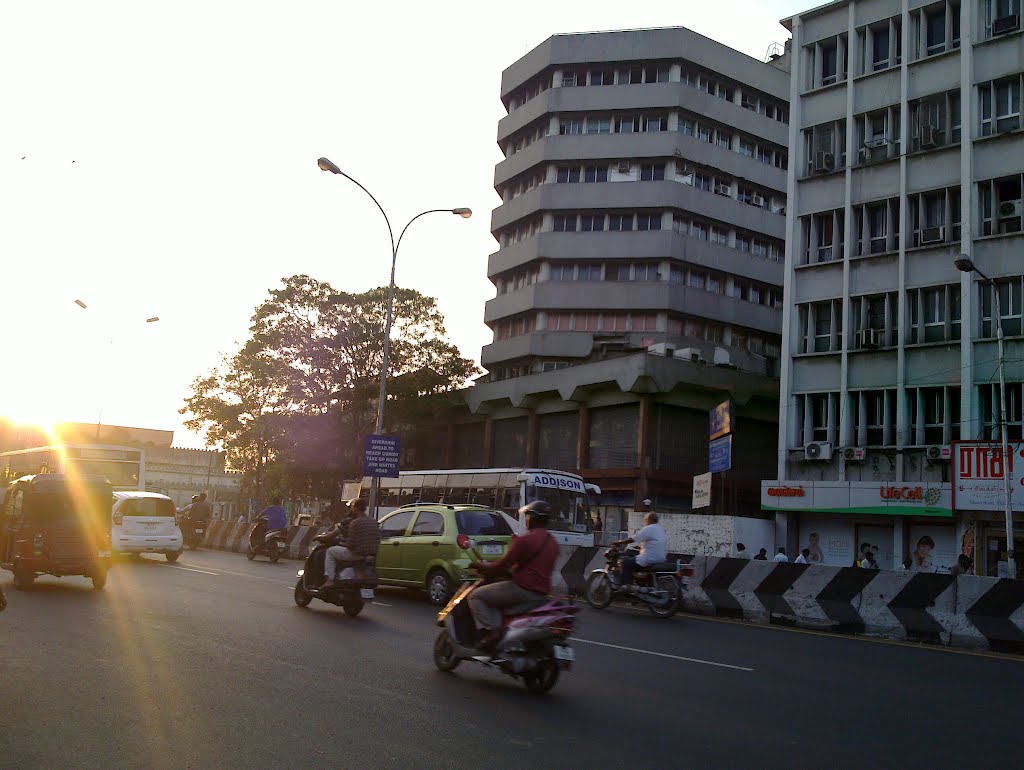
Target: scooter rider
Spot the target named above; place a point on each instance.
(200, 510)
(272, 517)
(530, 561)
(356, 537)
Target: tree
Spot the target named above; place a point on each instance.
(303, 389)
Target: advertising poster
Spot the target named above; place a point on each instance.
(880, 541)
(932, 549)
(830, 542)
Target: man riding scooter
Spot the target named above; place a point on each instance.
(530, 561)
(354, 539)
(271, 518)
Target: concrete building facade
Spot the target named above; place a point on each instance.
(906, 151)
(638, 273)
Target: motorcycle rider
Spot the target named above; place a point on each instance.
(271, 518)
(530, 561)
(653, 542)
(200, 510)
(354, 538)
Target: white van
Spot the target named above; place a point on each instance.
(145, 522)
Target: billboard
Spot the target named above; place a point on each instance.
(978, 476)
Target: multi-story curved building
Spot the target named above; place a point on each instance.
(638, 272)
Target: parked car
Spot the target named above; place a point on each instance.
(419, 545)
(52, 524)
(145, 522)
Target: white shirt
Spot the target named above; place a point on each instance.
(781, 557)
(743, 554)
(653, 542)
(799, 560)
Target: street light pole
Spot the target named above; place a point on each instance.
(965, 265)
(465, 213)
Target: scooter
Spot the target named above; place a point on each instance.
(350, 593)
(270, 544)
(534, 645)
(658, 586)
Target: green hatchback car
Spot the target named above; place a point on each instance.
(419, 545)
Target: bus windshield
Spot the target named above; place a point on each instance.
(570, 510)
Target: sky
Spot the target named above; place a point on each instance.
(159, 160)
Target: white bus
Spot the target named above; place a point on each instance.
(124, 467)
(504, 489)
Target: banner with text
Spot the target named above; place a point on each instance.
(978, 469)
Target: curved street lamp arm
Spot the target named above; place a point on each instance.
(391, 232)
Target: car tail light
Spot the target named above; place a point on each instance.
(464, 542)
(118, 518)
(37, 543)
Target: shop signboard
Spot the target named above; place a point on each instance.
(720, 420)
(917, 498)
(978, 483)
(701, 491)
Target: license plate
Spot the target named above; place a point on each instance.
(200, 531)
(565, 653)
(366, 593)
(281, 545)
(491, 550)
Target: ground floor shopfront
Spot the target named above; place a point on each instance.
(908, 525)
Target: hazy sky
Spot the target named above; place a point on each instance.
(160, 160)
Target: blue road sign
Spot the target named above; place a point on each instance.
(720, 454)
(380, 456)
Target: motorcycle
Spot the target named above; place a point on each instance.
(266, 543)
(534, 645)
(192, 532)
(349, 593)
(658, 586)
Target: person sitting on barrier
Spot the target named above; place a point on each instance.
(653, 542)
(355, 538)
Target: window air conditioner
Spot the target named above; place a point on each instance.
(1010, 209)
(929, 136)
(933, 235)
(818, 450)
(824, 161)
(871, 338)
(758, 200)
(624, 167)
(723, 189)
(938, 452)
(854, 454)
(1005, 24)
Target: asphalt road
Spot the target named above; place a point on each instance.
(209, 664)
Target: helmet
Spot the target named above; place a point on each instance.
(538, 509)
(195, 498)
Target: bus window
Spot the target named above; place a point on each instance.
(406, 495)
(484, 496)
(570, 511)
(510, 500)
(456, 495)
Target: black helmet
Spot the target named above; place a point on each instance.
(537, 509)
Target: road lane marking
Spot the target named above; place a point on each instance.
(665, 655)
(191, 569)
(381, 604)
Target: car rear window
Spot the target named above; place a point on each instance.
(147, 506)
(482, 523)
(51, 507)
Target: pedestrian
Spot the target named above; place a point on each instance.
(741, 551)
(869, 561)
(962, 566)
(781, 556)
(864, 548)
(804, 557)
(762, 555)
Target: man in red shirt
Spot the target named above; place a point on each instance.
(530, 561)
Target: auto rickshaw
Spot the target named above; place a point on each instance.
(56, 524)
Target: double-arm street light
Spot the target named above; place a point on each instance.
(465, 213)
(965, 265)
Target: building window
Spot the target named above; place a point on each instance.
(588, 272)
(934, 415)
(1010, 306)
(876, 227)
(999, 102)
(645, 271)
(567, 175)
(562, 272)
(878, 134)
(935, 29)
(935, 217)
(565, 223)
(990, 408)
(822, 237)
(570, 126)
(935, 121)
(723, 139)
(1000, 17)
(559, 322)
(1000, 207)
(613, 322)
(648, 221)
(643, 322)
(827, 61)
(874, 321)
(934, 314)
(719, 235)
(591, 223)
(652, 172)
(819, 417)
(620, 222)
(595, 174)
(874, 415)
(821, 324)
(825, 147)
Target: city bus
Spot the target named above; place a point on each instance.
(504, 489)
(124, 467)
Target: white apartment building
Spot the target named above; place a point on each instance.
(906, 152)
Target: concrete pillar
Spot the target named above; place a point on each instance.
(583, 438)
(450, 446)
(532, 438)
(488, 442)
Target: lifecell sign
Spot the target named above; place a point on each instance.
(978, 470)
